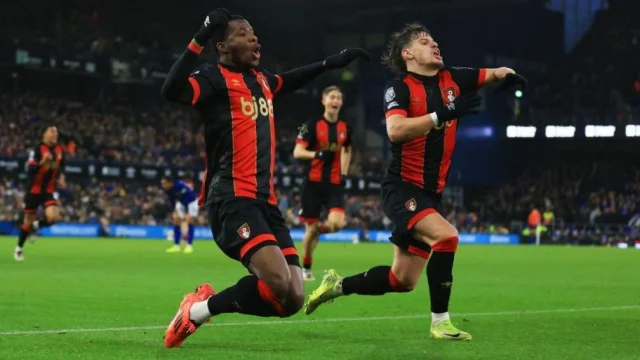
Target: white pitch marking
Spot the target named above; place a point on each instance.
(329, 320)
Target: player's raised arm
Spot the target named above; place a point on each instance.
(294, 79)
(179, 85)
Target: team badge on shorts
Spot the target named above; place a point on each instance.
(244, 231)
(411, 204)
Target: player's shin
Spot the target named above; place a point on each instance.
(377, 281)
(177, 234)
(440, 276)
(24, 234)
(250, 296)
(190, 233)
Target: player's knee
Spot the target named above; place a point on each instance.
(335, 225)
(52, 217)
(295, 302)
(447, 244)
(28, 219)
(312, 228)
(279, 283)
(433, 237)
(404, 282)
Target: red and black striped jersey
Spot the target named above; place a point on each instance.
(330, 138)
(42, 178)
(425, 160)
(237, 110)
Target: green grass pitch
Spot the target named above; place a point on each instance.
(112, 299)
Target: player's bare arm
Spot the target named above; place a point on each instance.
(402, 129)
(46, 157)
(62, 182)
(300, 152)
(345, 160)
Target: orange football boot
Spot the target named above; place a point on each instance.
(181, 326)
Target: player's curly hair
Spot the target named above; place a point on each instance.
(392, 58)
(221, 34)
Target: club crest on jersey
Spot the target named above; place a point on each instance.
(264, 82)
(450, 94)
(244, 231)
(342, 135)
(411, 204)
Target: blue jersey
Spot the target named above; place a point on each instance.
(181, 192)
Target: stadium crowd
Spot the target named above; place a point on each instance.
(583, 199)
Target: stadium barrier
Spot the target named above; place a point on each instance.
(123, 171)
(201, 232)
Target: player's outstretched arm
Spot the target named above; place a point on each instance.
(505, 77)
(297, 78)
(178, 87)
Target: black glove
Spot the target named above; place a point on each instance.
(512, 80)
(216, 20)
(345, 57)
(319, 155)
(463, 105)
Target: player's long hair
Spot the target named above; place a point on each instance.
(392, 58)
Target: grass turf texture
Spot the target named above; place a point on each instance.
(515, 301)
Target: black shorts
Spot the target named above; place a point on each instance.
(315, 195)
(33, 201)
(241, 226)
(406, 204)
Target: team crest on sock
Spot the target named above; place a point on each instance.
(411, 204)
(244, 231)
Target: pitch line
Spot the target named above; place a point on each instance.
(329, 320)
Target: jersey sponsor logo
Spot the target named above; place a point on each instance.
(254, 106)
(244, 231)
(329, 146)
(389, 95)
(411, 204)
(342, 135)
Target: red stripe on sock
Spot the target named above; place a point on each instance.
(268, 296)
(446, 245)
(307, 260)
(396, 285)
